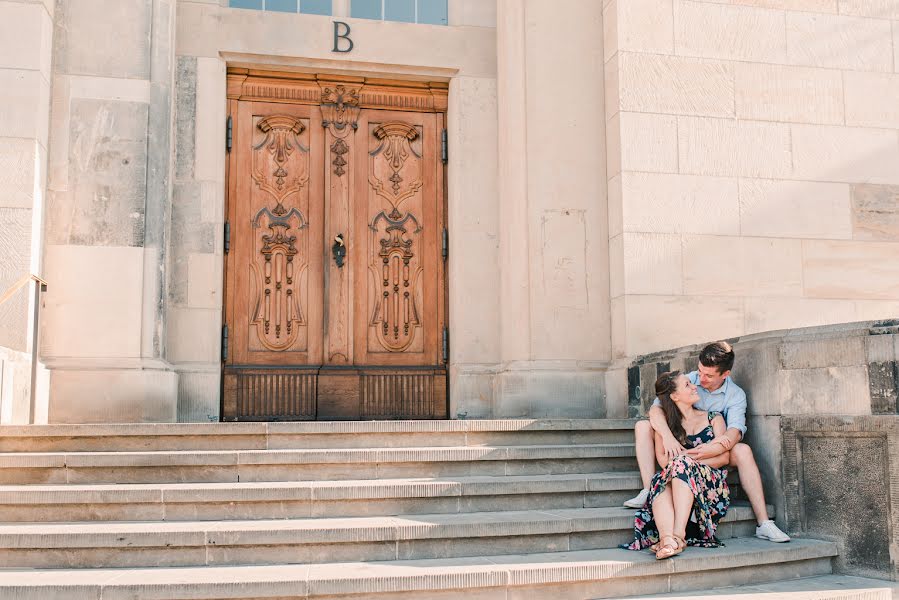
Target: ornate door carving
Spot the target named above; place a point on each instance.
(313, 335)
(401, 262)
(274, 265)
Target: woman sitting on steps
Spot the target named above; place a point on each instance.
(685, 486)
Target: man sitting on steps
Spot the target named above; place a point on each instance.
(717, 393)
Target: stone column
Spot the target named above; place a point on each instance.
(196, 246)
(473, 222)
(511, 55)
(26, 31)
(555, 324)
(103, 335)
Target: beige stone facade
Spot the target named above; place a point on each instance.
(752, 136)
(624, 177)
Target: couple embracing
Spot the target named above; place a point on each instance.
(694, 432)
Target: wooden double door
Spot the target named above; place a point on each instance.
(335, 260)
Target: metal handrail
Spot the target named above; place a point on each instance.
(40, 286)
(19, 284)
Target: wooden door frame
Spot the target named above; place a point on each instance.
(336, 94)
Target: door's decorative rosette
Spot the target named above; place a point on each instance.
(340, 109)
(278, 271)
(397, 141)
(396, 270)
(280, 160)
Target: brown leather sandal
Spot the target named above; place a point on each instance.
(680, 542)
(670, 545)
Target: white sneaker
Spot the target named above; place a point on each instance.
(639, 500)
(771, 532)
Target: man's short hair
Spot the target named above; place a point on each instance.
(718, 354)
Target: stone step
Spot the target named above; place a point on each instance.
(198, 543)
(825, 587)
(321, 434)
(305, 499)
(222, 466)
(574, 575)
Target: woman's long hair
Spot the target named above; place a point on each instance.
(666, 385)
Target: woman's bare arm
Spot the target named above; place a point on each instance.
(717, 454)
(661, 455)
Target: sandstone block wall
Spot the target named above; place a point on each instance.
(839, 474)
(195, 244)
(701, 169)
(26, 32)
(109, 191)
(553, 310)
(753, 166)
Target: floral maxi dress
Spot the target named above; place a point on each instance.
(710, 503)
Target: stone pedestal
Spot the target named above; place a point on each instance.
(121, 392)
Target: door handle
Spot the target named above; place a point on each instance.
(338, 249)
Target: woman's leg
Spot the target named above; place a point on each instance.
(663, 513)
(682, 501)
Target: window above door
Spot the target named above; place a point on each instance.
(309, 7)
(430, 12)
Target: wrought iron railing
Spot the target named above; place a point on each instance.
(40, 286)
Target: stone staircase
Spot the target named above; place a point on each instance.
(365, 510)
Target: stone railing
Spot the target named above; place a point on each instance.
(823, 426)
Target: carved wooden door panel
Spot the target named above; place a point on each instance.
(398, 217)
(275, 264)
(335, 279)
(389, 296)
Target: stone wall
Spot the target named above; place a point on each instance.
(195, 250)
(840, 477)
(530, 338)
(753, 166)
(26, 33)
(823, 423)
(109, 194)
(554, 315)
(734, 171)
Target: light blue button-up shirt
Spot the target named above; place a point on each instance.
(729, 400)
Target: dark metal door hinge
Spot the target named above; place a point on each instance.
(445, 345)
(445, 247)
(229, 134)
(227, 244)
(444, 147)
(224, 342)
